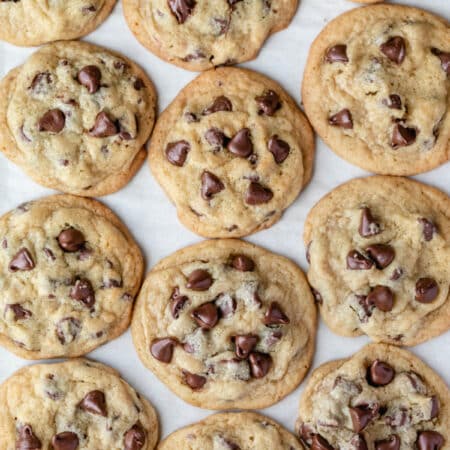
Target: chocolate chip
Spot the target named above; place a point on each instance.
(394, 49)
(206, 316)
(275, 315)
(134, 438)
(393, 102)
(71, 240)
(20, 313)
(138, 84)
(320, 443)
(65, 441)
(317, 296)
(268, 103)
(243, 263)
(176, 152)
(94, 402)
(257, 194)
(83, 292)
(162, 349)
(306, 433)
(103, 126)
(241, 144)
(357, 261)
(435, 407)
(216, 138)
(52, 121)
(260, 364)
(190, 117)
(27, 440)
(430, 440)
(193, 380)
(39, 82)
(211, 185)
(391, 443)
(381, 254)
(361, 417)
(396, 274)
(337, 53)
(342, 119)
(221, 103)
(368, 225)
(68, 329)
(445, 59)
(90, 77)
(426, 290)
(403, 136)
(428, 228)
(244, 344)
(177, 303)
(380, 373)
(22, 260)
(382, 297)
(199, 280)
(280, 149)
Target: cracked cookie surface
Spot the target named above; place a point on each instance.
(226, 324)
(199, 35)
(382, 75)
(35, 22)
(232, 152)
(70, 271)
(232, 431)
(75, 117)
(379, 256)
(381, 398)
(77, 404)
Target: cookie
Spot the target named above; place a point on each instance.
(70, 270)
(77, 404)
(379, 253)
(232, 431)
(226, 324)
(381, 398)
(232, 151)
(199, 35)
(36, 22)
(382, 75)
(75, 118)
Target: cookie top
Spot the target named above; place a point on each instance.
(382, 75)
(232, 151)
(78, 404)
(232, 431)
(69, 270)
(382, 398)
(199, 35)
(75, 116)
(35, 22)
(226, 324)
(379, 255)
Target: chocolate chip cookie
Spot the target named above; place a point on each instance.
(77, 404)
(379, 254)
(382, 76)
(35, 22)
(70, 270)
(232, 151)
(382, 398)
(75, 117)
(199, 35)
(232, 431)
(226, 324)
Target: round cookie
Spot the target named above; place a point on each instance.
(379, 255)
(77, 404)
(70, 270)
(35, 22)
(199, 35)
(232, 151)
(226, 324)
(75, 117)
(382, 75)
(232, 431)
(381, 398)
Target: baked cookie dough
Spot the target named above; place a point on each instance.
(381, 74)
(226, 324)
(382, 398)
(78, 404)
(198, 34)
(232, 431)
(69, 272)
(232, 151)
(75, 118)
(35, 22)
(379, 255)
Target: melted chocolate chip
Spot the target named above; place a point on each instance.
(241, 144)
(382, 297)
(381, 254)
(403, 136)
(430, 440)
(177, 303)
(320, 443)
(83, 292)
(90, 77)
(94, 402)
(27, 440)
(103, 126)
(275, 315)
(211, 185)
(380, 373)
(20, 313)
(65, 441)
(391, 443)
(162, 349)
(426, 290)
(361, 417)
(244, 345)
(199, 280)
(206, 316)
(357, 261)
(193, 380)
(181, 9)
(52, 121)
(394, 49)
(243, 263)
(134, 438)
(337, 53)
(22, 260)
(216, 138)
(68, 329)
(221, 103)
(445, 59)
(393, 102)
(428, 228)
(260, 364)
(342, 119)
(368, 225)
(268, 103)
(176, 152)
(280, 149)
(71, 240)
(435, 407)
(257, 194)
